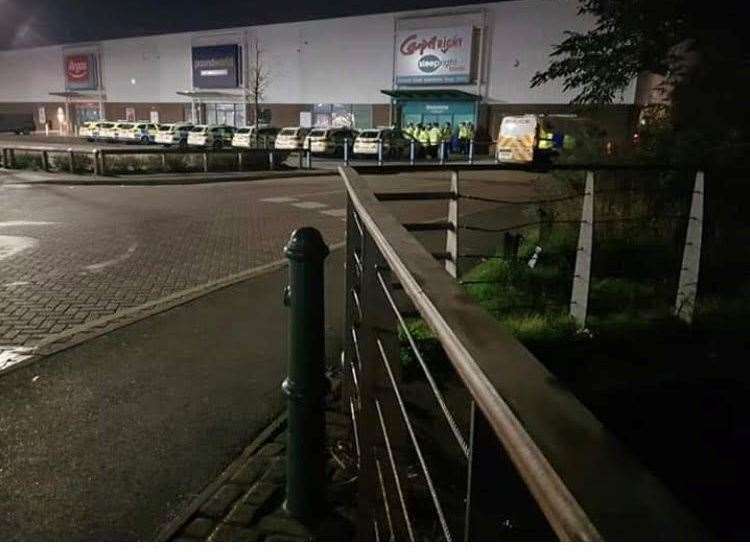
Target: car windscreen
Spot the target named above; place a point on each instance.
(126, 127)
(185, 127)
(289, 132)
(198, 129)
(165, 127)
(243, 131)
(370, 134)
(320, 133)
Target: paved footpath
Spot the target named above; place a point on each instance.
(111, 439)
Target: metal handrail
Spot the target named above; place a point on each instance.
(587, 485)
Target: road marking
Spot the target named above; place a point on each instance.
(280, 199)
(12, 355)
(98, 267)
(335, 212)
(12, 245)
(25, 223)
(16, 284)
(15, 186)
(309, 205)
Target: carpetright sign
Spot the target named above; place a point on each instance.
(80, 72)
(434, 56)
(216, 66)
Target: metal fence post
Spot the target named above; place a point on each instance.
(442, 152)
(239, 160)
(45, 160)
(412, 149)
(163, 162)
(451, 237)
(300, 152)
(95, 161)
(346, 152)
(308, 154)
(380, 152)
(5, 158)
(579, 299)
(271, 161)
(687, 289)
(471, 151)
(305, 385)
(71, 161)
(103, 160)
(205, 161)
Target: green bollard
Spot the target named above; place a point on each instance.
(305, 385)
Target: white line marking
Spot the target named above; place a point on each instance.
(16, 284)
(309, 205)
(12, 355)
(12, 245)
(280, 199)
(25, 223)
(335, 212)
(98, 267)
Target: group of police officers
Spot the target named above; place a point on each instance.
(431, 136)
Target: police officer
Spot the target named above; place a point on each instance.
(447, 133)
(462, 134)
(423, 136)
(435, 137)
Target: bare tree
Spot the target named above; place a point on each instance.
(259, 79)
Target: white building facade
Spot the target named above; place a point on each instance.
(471, 62)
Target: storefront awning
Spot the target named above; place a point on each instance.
(70, 95)
(441, 95)
(212, 96)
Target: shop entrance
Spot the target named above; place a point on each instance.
(413, 107)
(86, 112)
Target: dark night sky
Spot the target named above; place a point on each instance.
(25, 23)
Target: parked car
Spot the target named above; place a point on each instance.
(109, 132)
(173, 134)
(396, 143)
(211, 136)
(99, 128)
(86, 130)
(291, 138)
(249, 137)
(329, 141)
(19, 123)
(142, 132)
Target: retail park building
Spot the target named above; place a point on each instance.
(468, 63)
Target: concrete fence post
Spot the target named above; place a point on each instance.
(451, 237)
(687, 289)
(305, 385)
(579, 299)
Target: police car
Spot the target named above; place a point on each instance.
(210, 136)
(291, 138)
(109, 132)
(142, 132)
(249, 137)
(87, 130)
(173, 134)
(329, 141)
(395, 142)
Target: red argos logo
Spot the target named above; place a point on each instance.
(77, 68)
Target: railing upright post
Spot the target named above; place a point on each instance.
(490, 515)
(579, 299)
(103, 158)
(205, 161)
(163, 162)
(71, 161)
(45, 160)
(452, 260)
(271, 161)
(687, 289)
(412, 150)
(305, 385)
(380, 152)
(346, 152)
(239, 160)
(471, 151)
(442, 152)
(301, 157)
(5, 158)
(308, 154)
(95, 161)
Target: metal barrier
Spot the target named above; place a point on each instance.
(536, 463)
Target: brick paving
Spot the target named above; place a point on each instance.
(108, 249)
(246, 504)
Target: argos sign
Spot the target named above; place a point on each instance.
(80, 72)
(434, 56)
